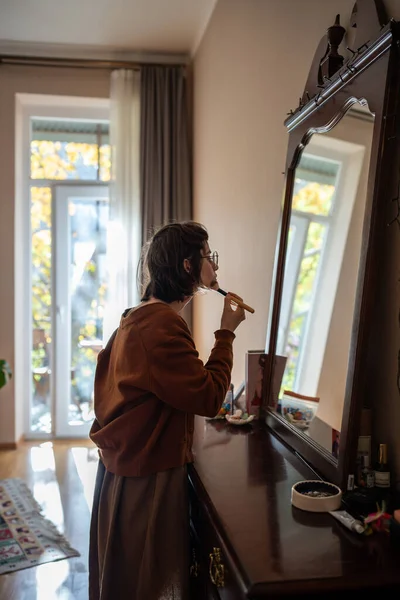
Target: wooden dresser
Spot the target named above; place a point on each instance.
(248, 540)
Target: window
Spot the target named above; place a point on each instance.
(62, 152)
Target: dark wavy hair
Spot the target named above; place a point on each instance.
(164, 276)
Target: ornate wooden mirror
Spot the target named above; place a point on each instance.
(340, 172)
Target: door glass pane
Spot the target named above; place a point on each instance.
(41, 309)
(303, 300)
(88, 223)
(292, 350)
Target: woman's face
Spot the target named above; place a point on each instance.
(208, 273)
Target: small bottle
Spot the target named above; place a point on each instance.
(382, 472)
(367, 474)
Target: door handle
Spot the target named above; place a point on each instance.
(60, 312)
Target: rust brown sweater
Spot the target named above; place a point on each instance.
(149, 384)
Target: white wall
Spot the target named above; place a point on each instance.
(249, 71)
(13, 80)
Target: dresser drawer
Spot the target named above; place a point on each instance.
(215, 566)
(201, 586)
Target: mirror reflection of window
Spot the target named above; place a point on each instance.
(320, 277)
(312, 209)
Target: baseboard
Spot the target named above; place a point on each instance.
(11, 445)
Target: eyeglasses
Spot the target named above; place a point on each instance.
(213, 257)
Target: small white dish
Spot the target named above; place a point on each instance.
(299, 410)
(235, 421)
(316, 496)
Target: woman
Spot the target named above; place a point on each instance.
(149, 384)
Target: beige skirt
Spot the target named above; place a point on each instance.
(139, 537)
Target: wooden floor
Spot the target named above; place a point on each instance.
(61, 476)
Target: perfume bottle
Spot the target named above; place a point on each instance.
(382, 471)
(367, 478)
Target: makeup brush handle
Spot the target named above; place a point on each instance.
(243, 305)
(238, 302)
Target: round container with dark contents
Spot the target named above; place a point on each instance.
(316, 496)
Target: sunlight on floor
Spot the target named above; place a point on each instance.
(42, 458)
(49, 580)
(45, 487)
(86, 461)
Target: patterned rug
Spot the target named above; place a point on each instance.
(27, 538)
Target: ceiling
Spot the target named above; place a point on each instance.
(141, 26)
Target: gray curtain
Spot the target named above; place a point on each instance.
(165, 154)
(165, 157)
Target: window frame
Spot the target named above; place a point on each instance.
(27, 107)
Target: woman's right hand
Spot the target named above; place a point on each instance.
(232, 315)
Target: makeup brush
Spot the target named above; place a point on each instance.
(238, 302)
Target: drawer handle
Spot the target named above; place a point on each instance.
(217, 569)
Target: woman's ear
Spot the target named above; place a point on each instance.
(186, 265)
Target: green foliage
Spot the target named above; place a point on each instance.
(41, 258)
(72, 160)
(5, 373)
(313, 197)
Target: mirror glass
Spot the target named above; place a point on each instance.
(320, 279)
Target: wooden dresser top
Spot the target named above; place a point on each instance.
(244, 476)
